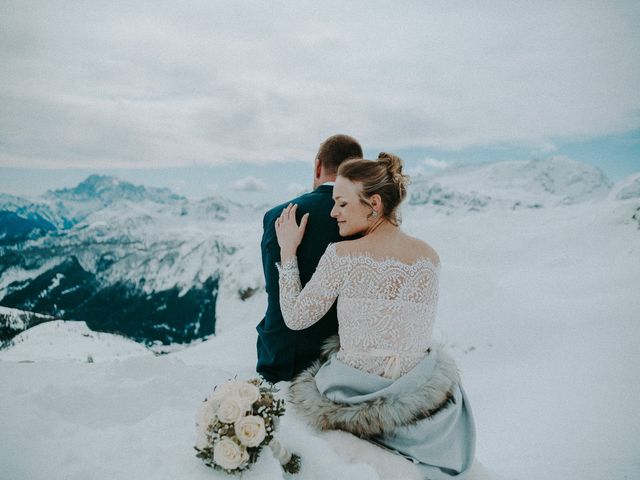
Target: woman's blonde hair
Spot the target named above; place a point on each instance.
(382, 176)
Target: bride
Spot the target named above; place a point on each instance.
(383, 380)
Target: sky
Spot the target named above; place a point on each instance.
(238, 95)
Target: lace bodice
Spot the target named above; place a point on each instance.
(386, 308)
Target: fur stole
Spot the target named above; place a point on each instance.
(377, 417)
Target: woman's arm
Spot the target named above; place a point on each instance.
(301, 308)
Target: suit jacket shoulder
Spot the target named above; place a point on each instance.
(321, 196)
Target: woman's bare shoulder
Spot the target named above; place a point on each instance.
(423, 249)
(347, 247)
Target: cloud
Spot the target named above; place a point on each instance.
(249, 184)
(435, 163)
(146, 84)
(212, 187)
(417, 171)
(296, 189)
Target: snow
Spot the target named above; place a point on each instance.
(55, 283)
(514, 184)
(627, 188)
(16, 321)
(16, 318)
(539, 306)
(548, 302)
(20, 275)
(151, 241)
(67, 340)
(123, 233)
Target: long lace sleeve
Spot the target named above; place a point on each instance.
(301, 308)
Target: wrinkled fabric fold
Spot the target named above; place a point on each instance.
(406, 415)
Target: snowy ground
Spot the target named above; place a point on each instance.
(540, 307)
(42, 343)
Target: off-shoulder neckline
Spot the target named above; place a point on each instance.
(387, 260)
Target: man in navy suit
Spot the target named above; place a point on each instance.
(282, 352)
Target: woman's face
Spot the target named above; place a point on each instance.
(348, 210)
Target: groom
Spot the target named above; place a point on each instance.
(283, 353)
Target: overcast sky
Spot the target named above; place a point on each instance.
(109, 84)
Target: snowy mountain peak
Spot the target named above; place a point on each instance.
(533, 183)
(627, 188)
(109, 189)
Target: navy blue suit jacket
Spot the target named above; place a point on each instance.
(282, 352)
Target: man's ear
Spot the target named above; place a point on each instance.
(317, 168)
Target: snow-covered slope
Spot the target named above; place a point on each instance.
(18, 320)
(627, 189)
(65, 340)
(512, 184)
(33, 208)
(13, 321)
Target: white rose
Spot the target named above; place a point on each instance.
(248, 392)
(250, 430)
(205, 416)
(202, 441)
(228, 454)
(208, 410)
(231, 409)
(230, 387)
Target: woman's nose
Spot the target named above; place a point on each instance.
(333, 213)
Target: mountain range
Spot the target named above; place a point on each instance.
(148, 264)
(124, 258)
(511, 184)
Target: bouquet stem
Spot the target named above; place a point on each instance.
(290, 462)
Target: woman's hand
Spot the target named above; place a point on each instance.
(288, 232)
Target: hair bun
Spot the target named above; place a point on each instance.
(392, 162)
(394, 167)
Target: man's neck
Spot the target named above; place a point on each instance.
(325, 180)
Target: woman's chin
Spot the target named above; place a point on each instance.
(343, 232)
(349, 232)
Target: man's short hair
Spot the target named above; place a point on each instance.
(336, 149)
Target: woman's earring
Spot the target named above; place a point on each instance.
(374, 214)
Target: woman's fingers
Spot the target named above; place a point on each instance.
(288, 213)
(303, 223)
(285, 214)
(288, 231)
(288, 216)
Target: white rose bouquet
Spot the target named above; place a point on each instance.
(236, 421)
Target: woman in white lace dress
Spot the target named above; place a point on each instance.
(383, 380)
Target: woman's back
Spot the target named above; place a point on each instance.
(386, 306)
(387, 303)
